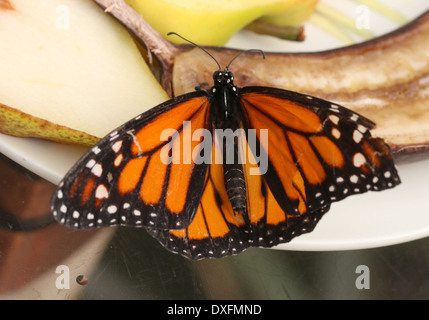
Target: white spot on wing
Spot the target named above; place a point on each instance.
(362, 128)
(340, 179)
(112, 209)
(334, 108)
(336, 133)
(118, 160)
(334, 119)
(101, 192)
(357, 136)
(354, 178)
(117, 146)
(90, 163)
(97, 170)
(358, 159)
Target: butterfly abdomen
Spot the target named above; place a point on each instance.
(235, 183)
(235, 187)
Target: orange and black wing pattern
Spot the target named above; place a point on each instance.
(301, 154)
(317, 152)
(215, 227)
(138, 175)
(217, 231)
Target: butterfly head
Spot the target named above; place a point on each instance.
(223, 78)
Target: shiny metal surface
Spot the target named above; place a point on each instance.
(41, 260)
(136, 267)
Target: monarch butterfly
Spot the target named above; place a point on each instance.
(311, 153)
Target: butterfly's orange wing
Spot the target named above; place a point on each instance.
(216, 231)
(140, 174)
(316, 153)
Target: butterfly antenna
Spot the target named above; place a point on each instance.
(176, 34)
(257, 50)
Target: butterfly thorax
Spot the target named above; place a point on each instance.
(226, 115)
(225, 96)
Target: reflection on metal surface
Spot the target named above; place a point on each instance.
(38, 258)
(52, 262)
(44, 264)
(82, 280)
(135, 266)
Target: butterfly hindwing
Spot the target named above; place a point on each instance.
(217, 231)
(269, 224)
(137, 174)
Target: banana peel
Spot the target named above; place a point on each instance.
(385, 79)
(215, 22)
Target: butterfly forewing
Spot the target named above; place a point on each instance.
(137, 174)
(318, 152)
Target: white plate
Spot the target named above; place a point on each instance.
(362, 221)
